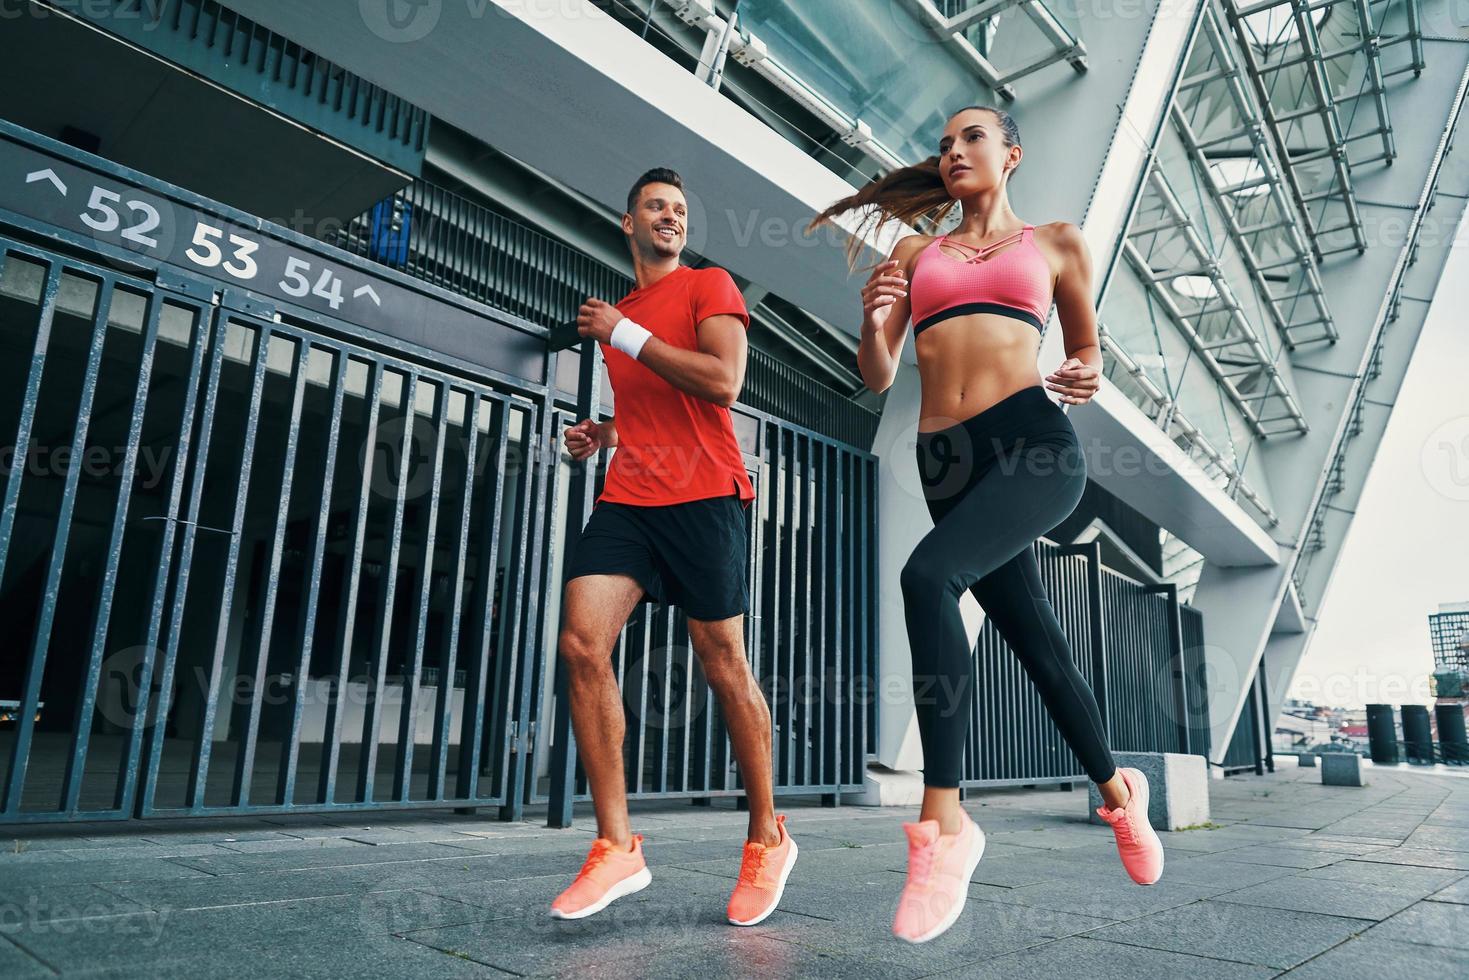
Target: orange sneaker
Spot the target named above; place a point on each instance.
(608, 873)
(763, 874)
(1137, 843)
(939, 866)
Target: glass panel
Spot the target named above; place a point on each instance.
(872, 61)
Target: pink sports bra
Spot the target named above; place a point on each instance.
(1017, 282)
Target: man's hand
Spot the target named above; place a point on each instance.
(1076, 380)
(583, 439)
(596, 319)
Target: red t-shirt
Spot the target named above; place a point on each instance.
(672, 447)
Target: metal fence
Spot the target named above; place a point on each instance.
(1138, 648)
(300, 547)
(308, 566)
(810, 637)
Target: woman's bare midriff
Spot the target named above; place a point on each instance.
(968, 363)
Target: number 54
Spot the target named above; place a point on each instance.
(328, 286)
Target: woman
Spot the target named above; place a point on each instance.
(1000, 465)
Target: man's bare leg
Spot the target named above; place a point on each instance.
(596, 608)
(720, 646)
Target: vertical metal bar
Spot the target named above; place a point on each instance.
(145, 744)
(347, 616)
(29, 400)
(408, 718)
(471, 736)
(579, 505)
(808, 478)
(544, 459)
(40, 644)
(438, 764)
(240, 794)
(199, 763)
(285, 793)
(820, 533)
(372, 712)
(107, 590)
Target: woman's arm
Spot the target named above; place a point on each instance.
(885, 312)
(1080, 375)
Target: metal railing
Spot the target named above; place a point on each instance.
(307, 566)
(1141, 652)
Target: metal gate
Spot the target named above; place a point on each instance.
(277, 542)
(267, 559)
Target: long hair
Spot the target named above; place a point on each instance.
(906, 194)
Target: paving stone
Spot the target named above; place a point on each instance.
(1283, 855)
(39, 876)
(17, 963)
(745, 954)
(1115, 897)
(629, 930)
(1403, 877)
(1439, 838)
(1326, 896)
(274, 939)
(1216, 870)
(323, 857)
(1429, 923)
(1100, 960)
(1362, 958)
(1454, 893)
(858, 922)
(1420, 856)
(47, 902)
(1242, 933)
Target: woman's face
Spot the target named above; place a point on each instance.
(972, 153)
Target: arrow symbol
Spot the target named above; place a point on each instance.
(370, 292)
(47, 174)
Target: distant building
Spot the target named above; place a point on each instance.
(1449, 630)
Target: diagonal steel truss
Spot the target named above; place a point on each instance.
(1323, 104)
(1219, 331)
(955, 21)
(1249, 128)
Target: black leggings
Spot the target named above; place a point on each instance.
(993, 484)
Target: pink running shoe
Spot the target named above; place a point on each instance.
(608, 873)
(939, 866)
(1137, 843)
(763, 874)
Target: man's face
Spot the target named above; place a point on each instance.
(659, 223)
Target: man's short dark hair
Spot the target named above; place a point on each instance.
(658, 175)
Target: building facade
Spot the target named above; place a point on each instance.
(288, 276)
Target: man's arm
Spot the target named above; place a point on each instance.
(609, 432)
(715, 372)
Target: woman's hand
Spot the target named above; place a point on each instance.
(1076, 380)
(885, 286)
(583, 439)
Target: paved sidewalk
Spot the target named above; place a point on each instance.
(1318, 881)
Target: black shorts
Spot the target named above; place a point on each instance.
(694, 555)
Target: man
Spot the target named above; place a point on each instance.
(671, 526)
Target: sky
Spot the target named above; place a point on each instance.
(1407, 549)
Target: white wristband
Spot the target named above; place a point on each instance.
(629, 337)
